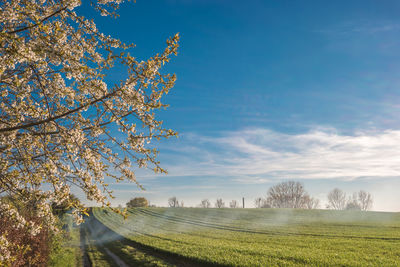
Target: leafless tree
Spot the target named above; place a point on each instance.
(287, 195)
(219, 203)
(310, 202)
(352, 203)
(365, 200)
(173, 202)
(233, 204)
(258, 202)
(337, 199)
(261, 203)
(205, 203)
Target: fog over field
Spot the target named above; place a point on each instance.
(246, 237)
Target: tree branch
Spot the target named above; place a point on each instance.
(40, 22)
(28, 125)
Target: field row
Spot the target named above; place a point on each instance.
(263, 237)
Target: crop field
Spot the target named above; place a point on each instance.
(249, 237)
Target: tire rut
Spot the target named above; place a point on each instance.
(163, 255)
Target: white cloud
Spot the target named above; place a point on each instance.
(262, 154)
(251, 180)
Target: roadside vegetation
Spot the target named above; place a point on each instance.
(68, 252)
(66, 249)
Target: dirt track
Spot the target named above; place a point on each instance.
(99, 231)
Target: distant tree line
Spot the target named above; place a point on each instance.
(288, 194)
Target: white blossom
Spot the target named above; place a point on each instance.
(57, 110)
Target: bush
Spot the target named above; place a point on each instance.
(137, 202)
(25, 249)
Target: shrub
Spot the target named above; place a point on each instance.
(137, 202)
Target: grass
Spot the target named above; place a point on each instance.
(67, 253)
(255, 237)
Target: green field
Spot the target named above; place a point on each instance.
(250, 237)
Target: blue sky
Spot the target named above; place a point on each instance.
(269, 91)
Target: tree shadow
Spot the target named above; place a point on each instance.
(137, 254)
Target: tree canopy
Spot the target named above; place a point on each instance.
(58, 115)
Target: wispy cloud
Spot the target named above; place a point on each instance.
(362, 27)
(362, 37)
(258, 155)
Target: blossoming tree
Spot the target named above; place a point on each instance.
(58, 115)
